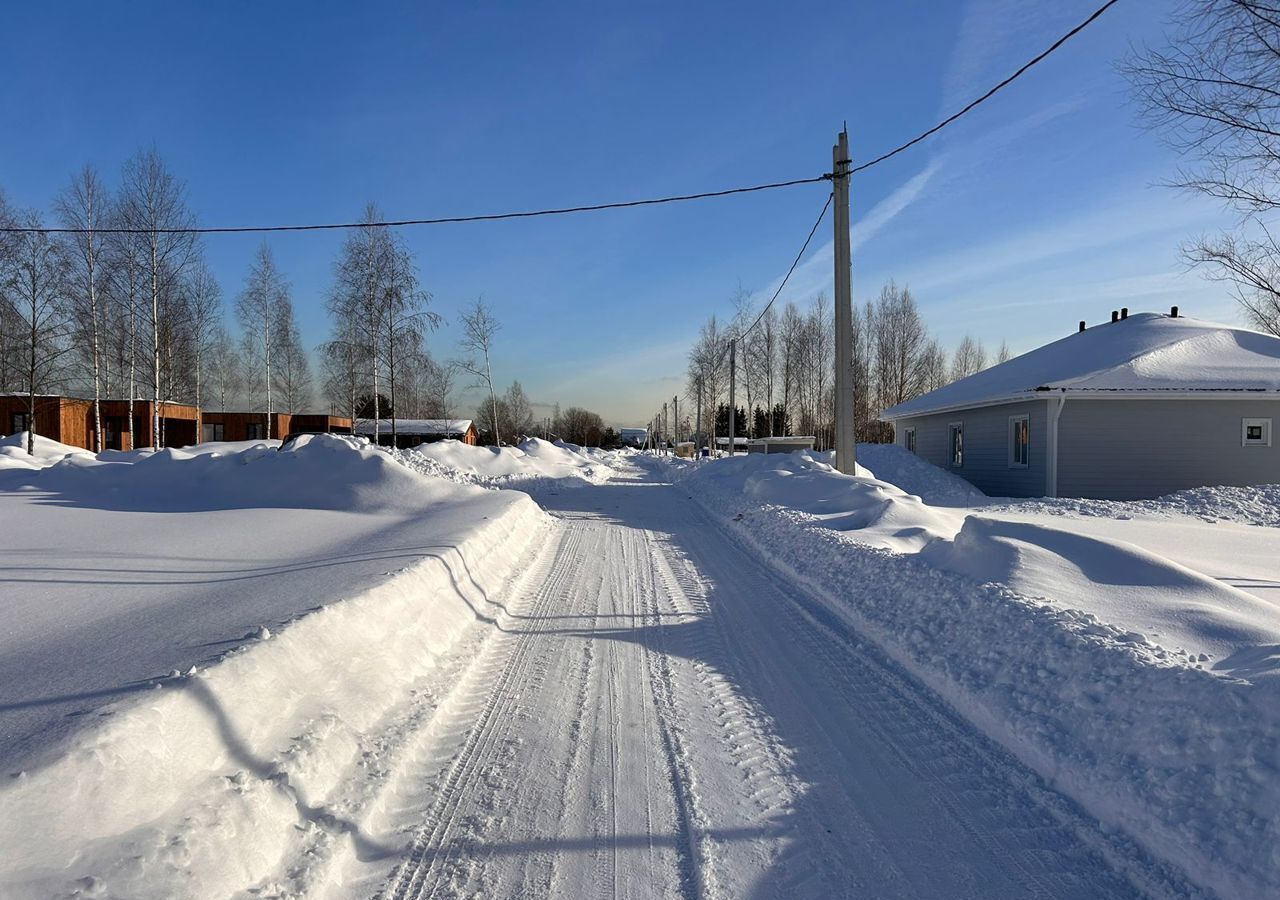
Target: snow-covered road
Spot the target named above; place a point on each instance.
(660, 715)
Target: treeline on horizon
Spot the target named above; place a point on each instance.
(139, 316)
(785, 379)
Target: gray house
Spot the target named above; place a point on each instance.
(1134, 408)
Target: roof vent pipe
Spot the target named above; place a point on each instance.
(1115, 315)
(1124, 312)
(1082, 324)
(1173, 312)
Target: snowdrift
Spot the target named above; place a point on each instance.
(533, 463)
(197, 782)
(13, 452)
(1142, 688)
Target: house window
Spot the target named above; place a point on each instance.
(20, 422)
(909, 439)
(1019, 442)
(213, 431)
(1255, 432)
(253, 431)
(111, 428)
(957, 444)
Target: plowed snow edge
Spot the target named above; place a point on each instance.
(1182, 761)
(199, 787)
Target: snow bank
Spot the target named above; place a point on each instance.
(1257, 505)
(1025, 629)
(13, 452)
(534, 461)
(198, 784)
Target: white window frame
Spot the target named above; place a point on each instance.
(909, 438)
(1013, 426)
(1246, 424)
(952, 428)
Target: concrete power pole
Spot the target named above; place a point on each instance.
(698, 427)
(675, 416)
(846, 448)
(733, 372)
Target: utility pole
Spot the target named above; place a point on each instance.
(733, 372)
(698, 428)
(846, 452)
(675, 416)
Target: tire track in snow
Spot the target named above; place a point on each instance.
(381, 754)
(927, 741)
(693, 871)
(419, 875)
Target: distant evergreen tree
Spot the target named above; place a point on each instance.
(364, 406)
(781, 421)
(740, 421)
(760, 423)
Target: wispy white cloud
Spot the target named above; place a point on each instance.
(814, 274)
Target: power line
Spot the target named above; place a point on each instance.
(596, 207)
(989, 94)
(444, 220)
(812, 231)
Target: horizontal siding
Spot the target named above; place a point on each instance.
(986, 447)
(1138, 449)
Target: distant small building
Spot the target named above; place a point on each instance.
(739, 444)
(790, 444)
(633, 437)
(412, 432)
(1134, 408)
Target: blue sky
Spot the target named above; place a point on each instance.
(1042, 208)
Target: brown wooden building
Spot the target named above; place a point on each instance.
(255, 426)
(69, 420)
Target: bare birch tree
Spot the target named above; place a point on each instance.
(292, 374)
(154, 202)
(86, 204)
(1214, 93)
(264, 313)
(478, 329)
(204, 320)
(970, 358)
(33, 286)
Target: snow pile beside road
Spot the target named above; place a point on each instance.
(301, 595)
(1183, 753)
(534, 461)
(881, 514)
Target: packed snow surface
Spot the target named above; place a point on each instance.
(195, 642)
(1145, 352)
(247, 671)
(1133, 659)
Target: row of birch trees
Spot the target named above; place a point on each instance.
(123, 306)
(785, 367)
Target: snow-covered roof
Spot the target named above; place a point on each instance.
(1145, 354)
(417, 426)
